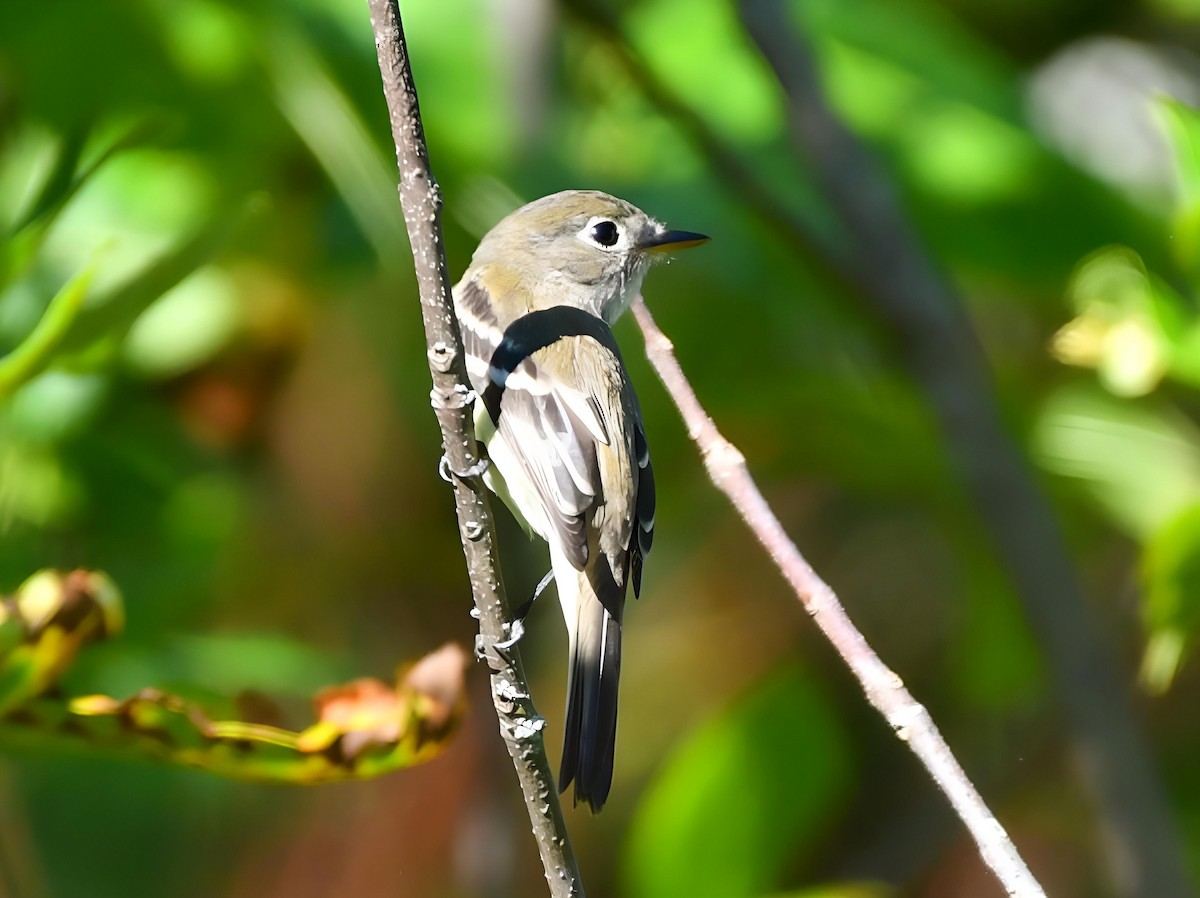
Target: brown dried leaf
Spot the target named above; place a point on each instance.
(423, 706)
(437, 679)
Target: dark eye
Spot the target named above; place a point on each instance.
(605, 233)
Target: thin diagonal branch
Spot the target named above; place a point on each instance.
(884, 689)
(906, 290)
(520, 724)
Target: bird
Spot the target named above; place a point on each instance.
(561, 429)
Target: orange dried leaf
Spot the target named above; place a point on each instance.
(364, 712)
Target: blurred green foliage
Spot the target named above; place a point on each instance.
(726, 792)
(213, 386)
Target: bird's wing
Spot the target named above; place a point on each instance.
(644, 503)
(570, 444)
(553, 441)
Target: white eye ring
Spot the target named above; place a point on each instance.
(604, 233)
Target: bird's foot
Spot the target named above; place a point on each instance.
(514, 629)
(449, 474)
(488, 651)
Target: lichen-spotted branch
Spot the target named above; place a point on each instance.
(520, 724)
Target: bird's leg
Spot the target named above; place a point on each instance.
(522, 611)
(515, 628)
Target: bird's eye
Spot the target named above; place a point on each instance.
(605, 233)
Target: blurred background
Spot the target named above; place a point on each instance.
(235, 426)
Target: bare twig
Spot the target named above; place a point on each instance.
(520, 724)
(885, 690)
(906, 290)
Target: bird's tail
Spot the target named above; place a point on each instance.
(591, 729)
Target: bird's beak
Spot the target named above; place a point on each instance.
(669, 241)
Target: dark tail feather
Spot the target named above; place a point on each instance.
(591, 730)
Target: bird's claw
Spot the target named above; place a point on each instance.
(486, 651)
(449, 475)
(515, 630)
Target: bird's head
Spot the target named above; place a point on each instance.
(582, 248)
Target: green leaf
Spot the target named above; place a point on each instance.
(186, 326)
(34, 353)
(1171, 604)
(1140, 460)
(60, 183)
(1182, 126)
(68, 175)
(325, 119)
(113, 314)
(743, 797)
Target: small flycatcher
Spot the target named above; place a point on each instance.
(562, 428)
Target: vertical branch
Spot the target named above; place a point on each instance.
(904, 288)
(520, 724)
(884, 689)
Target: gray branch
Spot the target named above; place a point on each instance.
(884, 689)
(520, 724)
(899, 282)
